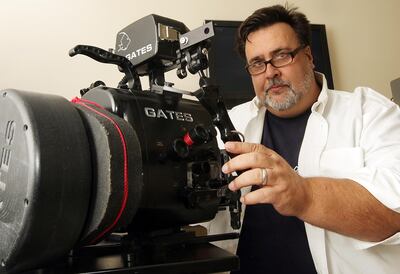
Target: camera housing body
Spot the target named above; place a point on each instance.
(180, 180)
(116, 160)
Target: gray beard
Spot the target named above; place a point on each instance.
(292, 96)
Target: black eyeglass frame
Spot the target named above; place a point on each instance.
(270, 61)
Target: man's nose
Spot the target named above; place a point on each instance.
(271, 71)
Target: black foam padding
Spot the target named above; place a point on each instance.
(45, 175)
(108, 172)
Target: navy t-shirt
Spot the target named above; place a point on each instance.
(270, 242)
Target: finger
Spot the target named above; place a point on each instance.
(263, 195)
(256, 176)
(248, 161)
(242, 147)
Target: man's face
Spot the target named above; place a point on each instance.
(280, 88)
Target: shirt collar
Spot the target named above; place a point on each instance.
(322, 100)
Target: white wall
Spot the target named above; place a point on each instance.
(35, 37)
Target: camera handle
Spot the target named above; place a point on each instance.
(208, 95)
(131, 77)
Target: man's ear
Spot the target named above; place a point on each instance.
(307, 51)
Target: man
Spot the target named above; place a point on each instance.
(323, 165)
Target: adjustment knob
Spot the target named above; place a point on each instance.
(197, 135)
(180, 148)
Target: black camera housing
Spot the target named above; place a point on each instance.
(117, 161)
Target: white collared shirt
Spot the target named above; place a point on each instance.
(353, 135)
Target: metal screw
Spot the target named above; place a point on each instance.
(184, 40)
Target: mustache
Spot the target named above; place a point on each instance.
(277, 82)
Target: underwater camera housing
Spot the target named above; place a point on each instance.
(109, 181)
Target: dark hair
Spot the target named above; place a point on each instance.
(268, 16)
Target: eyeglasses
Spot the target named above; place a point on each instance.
(277, 61)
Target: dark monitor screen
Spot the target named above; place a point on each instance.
(226, 67)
